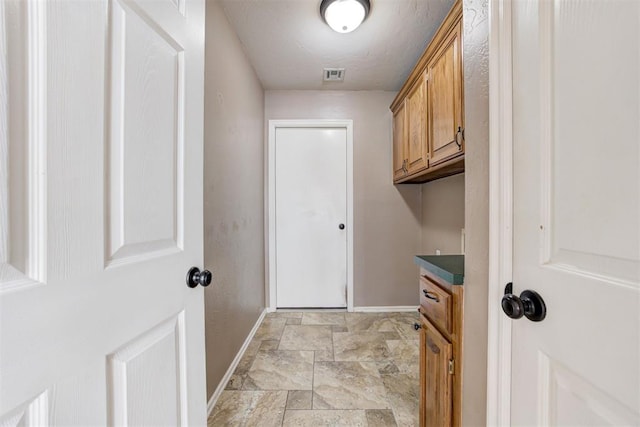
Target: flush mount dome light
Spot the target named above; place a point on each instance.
(344, 16)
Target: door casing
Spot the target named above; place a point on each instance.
(270, 229)
(500, 212)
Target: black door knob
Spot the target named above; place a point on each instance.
(196, 277)
(529, 304)
(341, 226)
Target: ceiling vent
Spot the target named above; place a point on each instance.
(334, 74)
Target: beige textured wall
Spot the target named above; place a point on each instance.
(476, 87)
(443, 215)
(387, 218)
(233, 195)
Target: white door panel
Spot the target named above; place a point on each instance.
(147, 106)
(576, 110)
(311, 203)
(101, 212)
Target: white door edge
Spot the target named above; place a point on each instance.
(270, 291)
(500, 213)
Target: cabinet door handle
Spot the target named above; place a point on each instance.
(459, 137)
(431, 295)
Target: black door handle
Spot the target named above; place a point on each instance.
(341, 226)
(431, 295)
(196, 277)
(529, 304)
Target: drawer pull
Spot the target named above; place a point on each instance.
(431, 295)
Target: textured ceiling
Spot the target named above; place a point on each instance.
(289, 44)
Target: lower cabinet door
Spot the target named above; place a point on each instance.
(436, 383)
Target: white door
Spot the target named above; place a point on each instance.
(311, 217)
(101, 212)
(576, 134)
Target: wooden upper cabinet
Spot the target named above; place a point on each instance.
(436, 379)
(445, 99)
(399, 143)
(428, 136)
(416, 104)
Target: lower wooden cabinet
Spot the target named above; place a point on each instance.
(436, 376)
(440, 353)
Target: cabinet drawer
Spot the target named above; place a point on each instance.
(436, 304)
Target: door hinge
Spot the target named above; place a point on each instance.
(451, 367)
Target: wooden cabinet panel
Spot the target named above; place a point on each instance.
(445, 100)
(428, 110)
(399, 142)
(436, 304)
(441, 343)
(423, 371)
(436, 380)
(416, 105)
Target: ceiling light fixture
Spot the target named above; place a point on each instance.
(344, 16)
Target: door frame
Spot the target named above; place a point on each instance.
(500, 211)
(270, 230)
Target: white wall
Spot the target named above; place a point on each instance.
(233, 195)
(387, 218)
(476, 275)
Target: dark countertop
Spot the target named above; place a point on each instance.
(448, 267)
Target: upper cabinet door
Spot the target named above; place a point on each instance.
(399, 143)
(417, 155)
(445, 99)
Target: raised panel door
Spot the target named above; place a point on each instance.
(417, 154)
(437, 382)
(423, 371)
(101, 122)
(576, 212)
(399, 143)
(445, 100)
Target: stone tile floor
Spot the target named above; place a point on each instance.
(325, 369)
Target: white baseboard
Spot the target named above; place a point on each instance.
(223, 382)
(383, 309)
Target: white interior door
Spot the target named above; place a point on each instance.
(310, 206)
(101, 212)
(576, 133)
